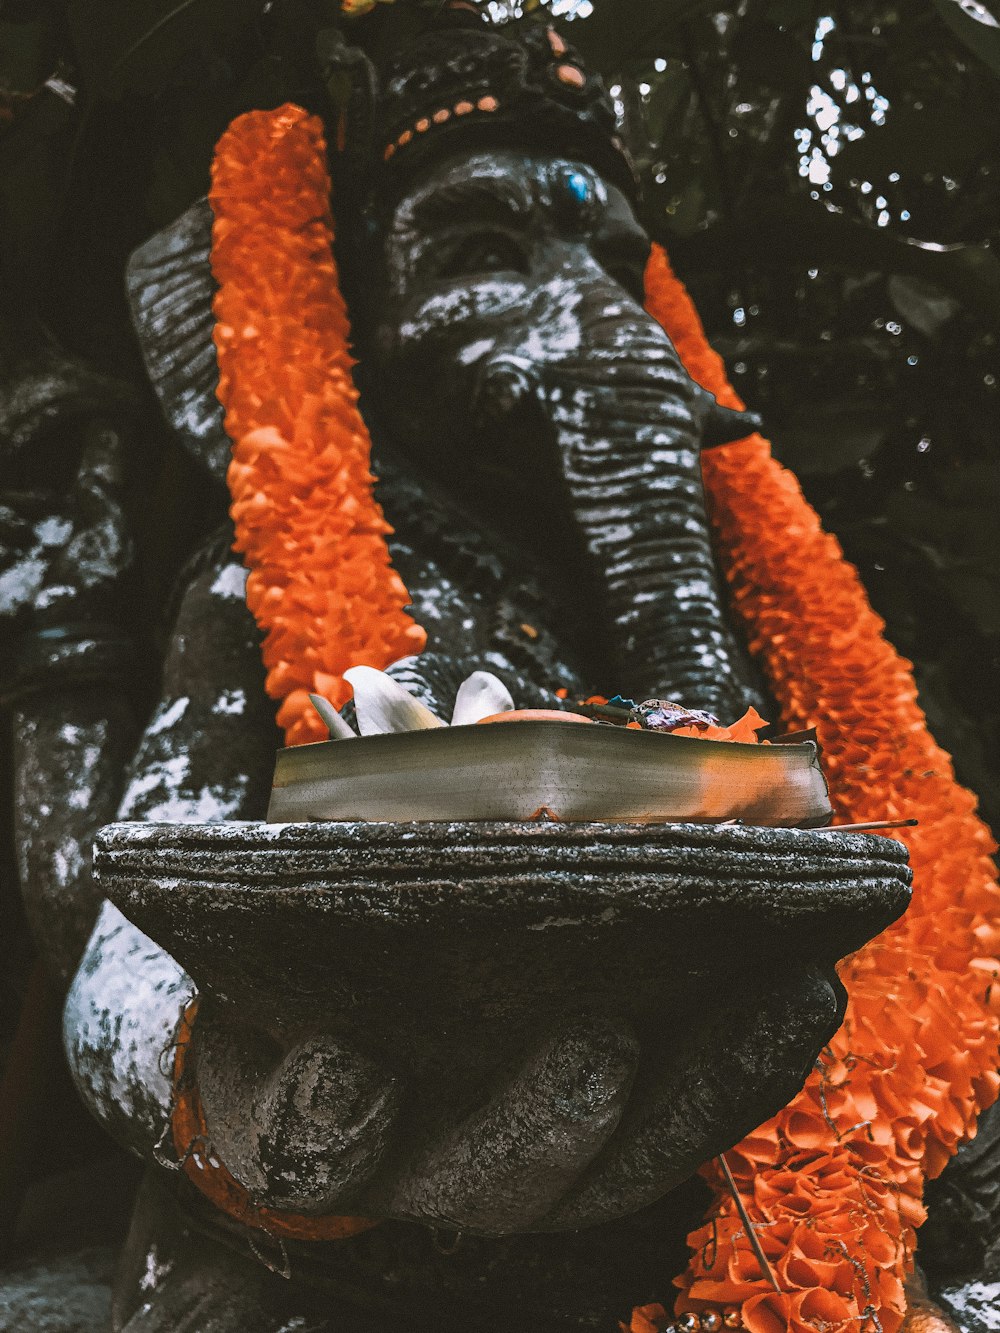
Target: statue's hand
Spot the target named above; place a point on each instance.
(303, 1131)
(588, 1127)
(503, 1167)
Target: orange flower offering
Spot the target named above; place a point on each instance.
(833, 1183)
(321, 585)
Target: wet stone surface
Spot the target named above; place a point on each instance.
(457, 990)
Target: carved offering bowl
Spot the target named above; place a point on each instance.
(536, 1026)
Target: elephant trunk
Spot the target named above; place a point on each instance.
(629, 431)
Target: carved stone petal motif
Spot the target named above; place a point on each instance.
(170, 290)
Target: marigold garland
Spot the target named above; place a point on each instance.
(835, 1180)
(321, 585)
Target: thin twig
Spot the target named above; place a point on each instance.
(864, 828)
(765, 1267)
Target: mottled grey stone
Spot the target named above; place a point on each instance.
(678, 977)
(118, 1022)
(975, 1303)
(70, 750)
(65, 1294)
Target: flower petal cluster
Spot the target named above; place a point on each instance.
(833, 1183)
(321, 585)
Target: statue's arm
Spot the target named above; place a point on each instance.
(66, 557)
(207, 754)
(118, 1025)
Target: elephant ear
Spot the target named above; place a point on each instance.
(170, 289)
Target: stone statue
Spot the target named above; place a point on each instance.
(537, 443)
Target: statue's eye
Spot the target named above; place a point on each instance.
(485, 252)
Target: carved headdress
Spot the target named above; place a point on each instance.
(463, 83)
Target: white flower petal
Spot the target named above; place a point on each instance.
(481, 695)
(383, 705)
(335, 724)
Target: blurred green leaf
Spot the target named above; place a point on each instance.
(922, 304)
(914, 141)
(33, 155)
(771, 57)
(138, 45)
(977, 24)
(788, 12)
(25, 55)
(627, 31)
(666, 105)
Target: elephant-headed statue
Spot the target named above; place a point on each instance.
(538, 448)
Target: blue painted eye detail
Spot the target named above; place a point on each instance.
(578, 186)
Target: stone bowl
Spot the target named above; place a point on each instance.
(437, 945)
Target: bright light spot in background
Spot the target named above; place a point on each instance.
(823, 28)
(819, 168)
(502, 11)
(823, 109)
(828, 130)
(572, 9)
(659, 65)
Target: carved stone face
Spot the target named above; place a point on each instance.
(497, 266)
(514, 360)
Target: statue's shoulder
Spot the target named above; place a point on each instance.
(170, 288)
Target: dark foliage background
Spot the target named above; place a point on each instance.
(825, 174)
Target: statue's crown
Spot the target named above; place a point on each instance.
(464, 84)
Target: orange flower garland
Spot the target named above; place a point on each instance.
(834, 1181)
(321, 586)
